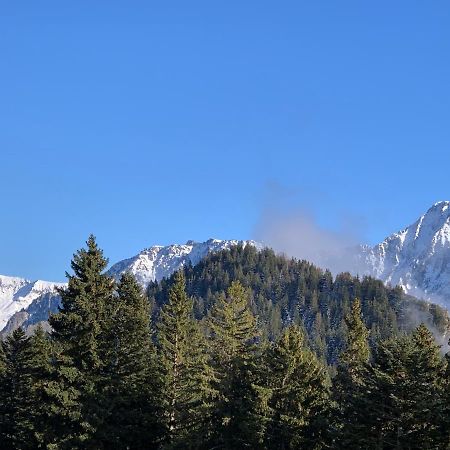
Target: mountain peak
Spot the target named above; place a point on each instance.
(158, 262)
(418, 257)
(442, 202)
(443, 206)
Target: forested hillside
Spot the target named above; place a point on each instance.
(287, 291)
(110, 377)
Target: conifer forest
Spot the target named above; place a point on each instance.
(245, 350)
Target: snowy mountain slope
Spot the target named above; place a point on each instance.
(158, 262)
(24, 303)
(17, 294)
(418, 257)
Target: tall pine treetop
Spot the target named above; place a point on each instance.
(80, 332)
(184, 371)
(232, 323)
(84, 300)
(357, 350)
(299, 396)
(88, 263)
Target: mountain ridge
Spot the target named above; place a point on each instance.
(417, 258)
(158, 262)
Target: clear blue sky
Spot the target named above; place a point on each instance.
(158, 122)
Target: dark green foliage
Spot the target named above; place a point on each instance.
(2, 359)
(41, 372)
(129, 376)
(350, 384)
(285, 291)
(299, 400)
(17, 427)
(427, 370)
(184, 370)
(357, 352)
(236, 418)
(406, 391)
(23, 415)
(241, 365)
(445, 422)
(80, 331)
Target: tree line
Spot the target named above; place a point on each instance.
(117, 373)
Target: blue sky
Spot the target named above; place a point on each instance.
(159, 122)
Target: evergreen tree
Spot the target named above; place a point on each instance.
(2, 389)
(299, 403)
(129, 386)
(406, 393)
(100, 382)
(41, 369)
(237, 417)
(17, 424)
(79, 331)
(445, 407)
(185, 373)
(428, 369)
(2, 359)
(350, 383)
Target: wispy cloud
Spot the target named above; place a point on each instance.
(289, 226)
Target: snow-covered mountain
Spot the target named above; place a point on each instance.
(416, 258)
(23, 302)
(158, 262)
(17, 294)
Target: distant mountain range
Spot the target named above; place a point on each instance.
(416, 258)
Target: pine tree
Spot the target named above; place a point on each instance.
(3, 391)
(79, 329)
(185, 373)
(428, 369)
(233, 332)
(129, 385)
(389, 385)
(17, 416)
(350, 383)
(406, 392)
(445, 406)
(2, 359)
(299, 403)
(41, 372)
